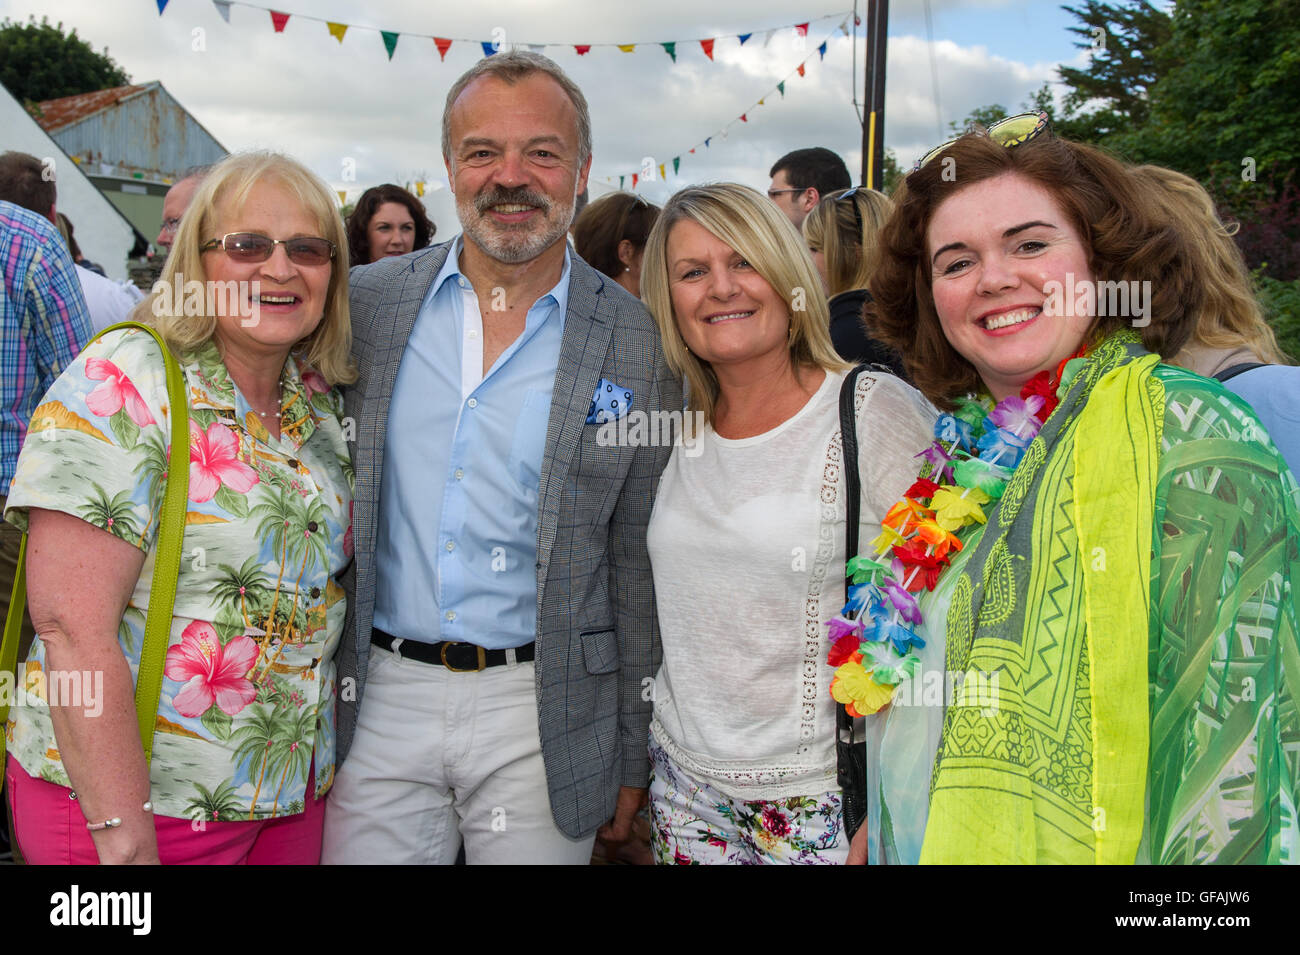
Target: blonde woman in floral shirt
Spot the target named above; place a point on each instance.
(253, 304)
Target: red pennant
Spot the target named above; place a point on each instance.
(692, 151)
(442, 45)
(801, 29)
(634, 178)
(801, 69)
(278, 20)
(582, 48)
(744, 118)
(708, 48)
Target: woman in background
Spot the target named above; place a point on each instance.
(841, 236)
(387, 220)
(610, 235)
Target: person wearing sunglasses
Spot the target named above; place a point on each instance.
(610, 235)
(253, 305)
(841, 236)
(1124, 595)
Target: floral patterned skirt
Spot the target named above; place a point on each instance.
(694, 824)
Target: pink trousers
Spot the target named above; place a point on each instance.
(49, 829)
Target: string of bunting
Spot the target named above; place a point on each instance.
(280, 20)
(800, 70)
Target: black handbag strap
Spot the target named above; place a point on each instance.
(1234, 370)
(850, 753)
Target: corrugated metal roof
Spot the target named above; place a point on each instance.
(57, 113)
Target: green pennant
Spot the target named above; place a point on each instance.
(781, 86)
(390, 41)
(677, 161)
(620, 181)
(670, 49)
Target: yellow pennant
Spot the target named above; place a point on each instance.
(337, 30)
(419, 188)
(343, 197)
(627, 47)
(662, 174)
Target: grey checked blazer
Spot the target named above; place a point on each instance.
(597, 634)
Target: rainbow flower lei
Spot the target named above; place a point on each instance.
(975, 452)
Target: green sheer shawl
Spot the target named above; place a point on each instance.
(1147, 698)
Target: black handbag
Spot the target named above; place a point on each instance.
(850, 753)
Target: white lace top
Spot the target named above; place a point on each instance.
(747, 547)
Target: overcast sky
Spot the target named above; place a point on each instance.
(303, 92)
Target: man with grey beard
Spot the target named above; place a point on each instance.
(502, 627)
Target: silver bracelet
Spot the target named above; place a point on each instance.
(114, 822)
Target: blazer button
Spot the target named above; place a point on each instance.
(315, 592)
(293, 463)
(311, 526)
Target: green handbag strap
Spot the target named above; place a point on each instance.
(166, 567)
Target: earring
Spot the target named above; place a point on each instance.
(790, 337)
(627, 268)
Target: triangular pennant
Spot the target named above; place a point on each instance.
(537, 47)
(337, 30)
(670, 49)
(767, 37)
(692, 150)
(662, 175)
(390, 41)
(419, 188)
(278, 20)
(822, 50)
(781, 88)
(443, 45)
(677, 163)
(162, 5)
(620, 181)
(627, 47)
(744, 117)
(844, 26)
(706, 141)
(743, 37)
(582, 48)
(343, 197)
(707, 46)
(489, 47)
(760, 102)
(800, 68)
(634, 178)
(801, 29)
(223, 8)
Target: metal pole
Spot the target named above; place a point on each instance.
(873, 129)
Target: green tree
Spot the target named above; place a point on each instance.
(39, 62)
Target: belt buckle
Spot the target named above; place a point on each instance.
(482, 658)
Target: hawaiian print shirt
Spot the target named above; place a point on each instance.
(248, 691)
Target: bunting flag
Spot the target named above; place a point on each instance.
(390, 41)
(537, 47)
(781, 86)
(582, 48)
(626, 47)
(662, 175)
(707, 46)
(692, 150)
(489, 47)
(760, 102)
(744, 118)
(706, 141)
(801, 69)
(337, 30)
(822, 50)
(223, 8)
(620, 182)
(419, 188)
(634, 178)
(443, 45)
(767, 37)
(670, 49)
(677, 162)
(162, 5)
(743, 37)
(278, 20)
(801, 29)
(343, 197)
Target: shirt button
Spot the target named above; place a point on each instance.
(473, 402)
(460, 473)
(315, 592)
(311, 526)
(471, 334)
(451, 545)
(293, 463)
(450, 615)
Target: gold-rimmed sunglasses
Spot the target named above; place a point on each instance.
(1012, 131)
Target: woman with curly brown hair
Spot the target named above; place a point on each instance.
(1105, 554)
(387, 220)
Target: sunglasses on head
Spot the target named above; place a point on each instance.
(857, 213)
(253, 247)
(1008, 132)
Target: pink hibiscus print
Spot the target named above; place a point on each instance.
(214, 461)
(314, 382)
(211, 673)
(115, 393)
(775, 822)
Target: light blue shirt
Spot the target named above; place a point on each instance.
(456, 553)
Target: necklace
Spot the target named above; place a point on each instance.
(975, 452)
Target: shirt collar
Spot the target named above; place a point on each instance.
(559, 294)
(211, 387)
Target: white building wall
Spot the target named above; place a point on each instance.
(104, 235)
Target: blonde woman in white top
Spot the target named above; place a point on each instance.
(747, 535)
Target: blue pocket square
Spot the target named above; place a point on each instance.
(611, 401)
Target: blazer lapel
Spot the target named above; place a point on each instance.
(588, 328)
